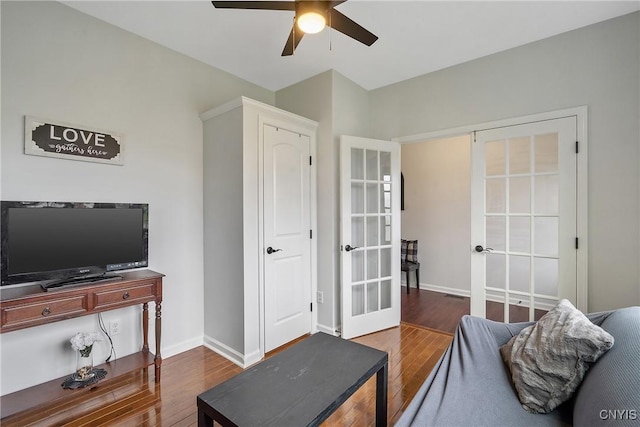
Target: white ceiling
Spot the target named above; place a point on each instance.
(415, 37)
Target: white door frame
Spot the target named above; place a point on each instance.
(581, 114)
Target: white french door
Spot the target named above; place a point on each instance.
(370, 235)
(523, 210)
(287, 258)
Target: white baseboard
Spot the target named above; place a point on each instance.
(327, 330)
(242, 360)
(181, 347)
(443, 289)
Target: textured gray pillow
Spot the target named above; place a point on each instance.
(548, 359)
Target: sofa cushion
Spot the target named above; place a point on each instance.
(548, 359)
(610, 391)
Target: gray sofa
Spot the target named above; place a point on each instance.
(471, 386)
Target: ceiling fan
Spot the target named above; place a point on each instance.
(310, 18)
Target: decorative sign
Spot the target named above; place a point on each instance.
(67, 141)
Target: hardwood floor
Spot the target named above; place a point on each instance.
(135, 400)
(434, 310)
(442, 312)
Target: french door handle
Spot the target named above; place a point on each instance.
(479, 248)
(349, 248)
(270, 250)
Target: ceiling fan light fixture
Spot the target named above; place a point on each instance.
(311, 22)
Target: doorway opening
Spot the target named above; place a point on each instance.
(437, 213)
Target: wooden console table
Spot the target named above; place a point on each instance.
(28, 306)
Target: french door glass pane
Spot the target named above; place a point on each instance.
(520, 195)
(546, 194)
(372, 297)
(520, 234)
(546, 276)
(372, 165)
(495, 270)
(372, 264)
(357, 266)
(496, 229)
(357, 231)
(357, 163)
(357, 197)
(385, 198)
(385, 262)
(519, 155)
(357, 300)
(546, 236)
(372, 198)
(385, 165)
(494, 306)
(494, 158)
(372, 231)
(496, 195)
(385, 230)
(519, 273)
(385, 294)
(546, 153)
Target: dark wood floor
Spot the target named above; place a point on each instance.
(442, 312)
(434, 310)
(135, 400)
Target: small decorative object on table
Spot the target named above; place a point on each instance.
(83, 342)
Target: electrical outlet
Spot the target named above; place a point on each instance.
(320, 297)
(114, 327)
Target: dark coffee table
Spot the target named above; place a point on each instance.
(300, 386)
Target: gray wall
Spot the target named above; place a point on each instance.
(341, 107)
(597, 66)
(62, 65)
(437, 211)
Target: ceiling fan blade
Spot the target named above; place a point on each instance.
(350, 28)
(295, 36)
(266, 5)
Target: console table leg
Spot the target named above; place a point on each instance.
(381, 396)
(145, 327)
(157, 360)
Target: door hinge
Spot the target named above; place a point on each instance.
(311, 234)
(576, 243)
(310, 161)
(577, 147)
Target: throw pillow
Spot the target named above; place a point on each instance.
(403, 251)
(412, 250)
(548, 359)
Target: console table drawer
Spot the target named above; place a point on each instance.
(128, 296)
(20, 316)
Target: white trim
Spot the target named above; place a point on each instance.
(581, 114)
(248, 102)
(446, 290)
(327, 330)
(181, 347)
(244, 361)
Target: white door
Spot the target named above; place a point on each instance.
(370, 235)
(523, 210)
(287, 240)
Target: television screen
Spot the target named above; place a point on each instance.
(53, 241)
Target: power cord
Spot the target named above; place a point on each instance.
(104, 330)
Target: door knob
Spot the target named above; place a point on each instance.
(270, 250)
(479, 248)
(349, 248)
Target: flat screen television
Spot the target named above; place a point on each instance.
(59, 243)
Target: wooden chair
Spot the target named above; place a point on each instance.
(409, 261)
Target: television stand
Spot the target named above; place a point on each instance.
(28, 306)
(80, 280)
